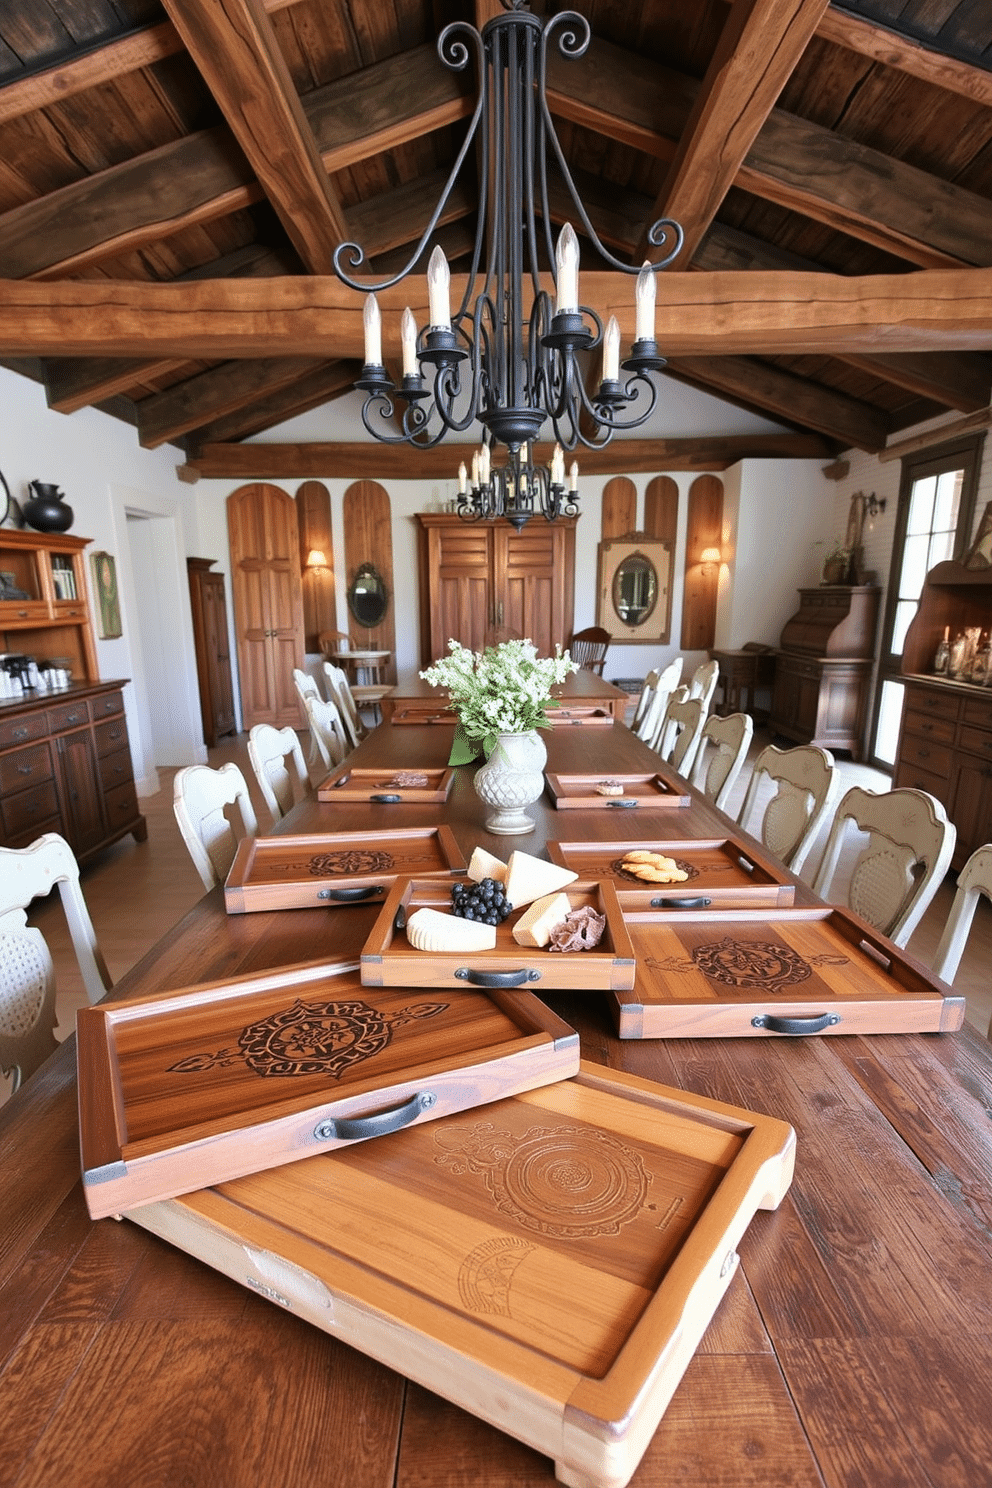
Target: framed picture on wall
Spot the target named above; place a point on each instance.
(108, 604)
(634, 589)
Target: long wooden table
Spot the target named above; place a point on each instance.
(582, 688)
(853, 1348)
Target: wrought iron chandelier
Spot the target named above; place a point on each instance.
(519, 489)
(492, 361)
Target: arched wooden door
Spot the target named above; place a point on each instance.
(268, 602)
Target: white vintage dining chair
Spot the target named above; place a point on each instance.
(306, 686)
(27, 975)
(201, 797)
(703, 683)
(974, 880)
(680, 735)
(717, 769)
(805, 784)
(644, 697)
(327, 729)
(653, 718)
(340, 692)
(277, 760)
(909, 849)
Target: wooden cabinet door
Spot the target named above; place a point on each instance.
(218, 653)
(461, 581)
(268, 602)
(971, 804)
(82, 796)
(529, 569)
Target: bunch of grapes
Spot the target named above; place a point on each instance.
(485, 901)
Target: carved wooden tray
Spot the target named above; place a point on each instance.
(721, 872)
(549, 1264)
(424, 713)
(762, 974)
(390, 960)
(198, 1086)
(571, 792)
(584, 714)
(350, 783)
(334, 868)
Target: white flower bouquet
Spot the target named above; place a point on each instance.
(502, 690)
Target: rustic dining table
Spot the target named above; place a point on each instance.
(854, 1346)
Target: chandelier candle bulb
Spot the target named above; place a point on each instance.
(558, 467)
(611, 350)
(644, 299)
(373, 332)
(475, 470)
(573, 476)
(438, 289)
(408, 341)
(462, 479)
(567, 270)
(484, 465)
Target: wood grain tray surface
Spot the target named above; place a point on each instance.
(571, 792)
(760, 974)
(334, 868)
(350, 783)
(549, 1264)
(424, 713)
(721, 872)
(582, 714)
(209, 1083)
(390, 960)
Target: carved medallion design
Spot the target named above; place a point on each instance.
(486, 1274)
(349, 861)
(312, 1038)
(566, 1180)
(621, 869)
(767, 964)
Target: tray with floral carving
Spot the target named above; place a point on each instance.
(719, 871)
(334, 868)
(389, 959)
(549, 1263)
(208, 1083)
(599, 792)
(411, 785)
(785, 972)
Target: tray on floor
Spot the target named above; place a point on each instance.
(720, 871)
(334, 868)
(549, 1264)
(578, 792)
(766, 973)
(353, 783)
(218, 1080)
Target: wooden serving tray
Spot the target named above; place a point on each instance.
(198, 1086)
(570, 792)
(389, 960)
(349, 783)
(334, 868)
(722, 872)
(577, 713)
(758, 974)
(424, 713)
(549, 1265)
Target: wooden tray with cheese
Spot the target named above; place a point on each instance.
(334, 868)
(763, 973)
(410, 786)
(549, 1264)
(721, 871)
(214, 1081)
(601, 793)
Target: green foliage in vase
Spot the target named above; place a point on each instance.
(503, 690)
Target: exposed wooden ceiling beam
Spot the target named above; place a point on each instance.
(942, 435)
(906, 55)
(235, 50)
(219, 390)
(260, 461)
(758, 49)
(329, 381)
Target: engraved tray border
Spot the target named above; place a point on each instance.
(660, 792)
(344, 784)
(770, 886)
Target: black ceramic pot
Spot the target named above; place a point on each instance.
(47, 511)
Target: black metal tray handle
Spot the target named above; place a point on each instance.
(813, 1023)
(356, 1128)
(497, 978)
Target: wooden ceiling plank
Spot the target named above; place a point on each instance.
(906, 55)
(71, 384)
(398, 462)
(235, 49)
(219, 390)
(941, 435)
(329, 381)
(759, 47)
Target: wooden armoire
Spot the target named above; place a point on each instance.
(481, 581)
(268, 602)
(208, 604)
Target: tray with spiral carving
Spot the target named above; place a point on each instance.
(210, 1082)
(334, 868)
(549, 1263)
(769, 973)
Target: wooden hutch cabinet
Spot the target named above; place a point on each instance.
(65, 757)
(823, 671)
(945, 743)
(483, 578)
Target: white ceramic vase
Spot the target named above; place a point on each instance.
(511, 778)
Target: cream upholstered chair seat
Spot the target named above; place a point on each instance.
(805, 783)
(27, 975)
(974, 880)
(680, 733)
(202, 798)
(277, 760)
(653, 718)
(717, 768)
(909, 849)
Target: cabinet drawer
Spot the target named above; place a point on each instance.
(30, 810)
(978, 710)
(925, 754)
(110, 702)
(23, 729)
(115, 769)
(25, 767)
(122, 806)
(111, 736)
(977, 741)
(72, 715)
(933, 701)
(929, 726)
(911, 776)
(16, 613)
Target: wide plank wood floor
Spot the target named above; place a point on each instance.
(136, 891)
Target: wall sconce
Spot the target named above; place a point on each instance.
(873, 506)
(709, 561)
(316, 559)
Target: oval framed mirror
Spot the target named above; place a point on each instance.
(368, 597)
(635, 591)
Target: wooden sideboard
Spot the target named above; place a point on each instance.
(823, 673)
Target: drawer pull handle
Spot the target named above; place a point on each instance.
(497, 978)
(72, 718)
(25, 769)
(681, 903)
(923, 753)
(814, 1023)
(351, 896)
(20, 733)
(356, 1128)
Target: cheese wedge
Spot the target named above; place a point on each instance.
(529, 878)
(535, 925)
(432, 930)
(483, 865)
